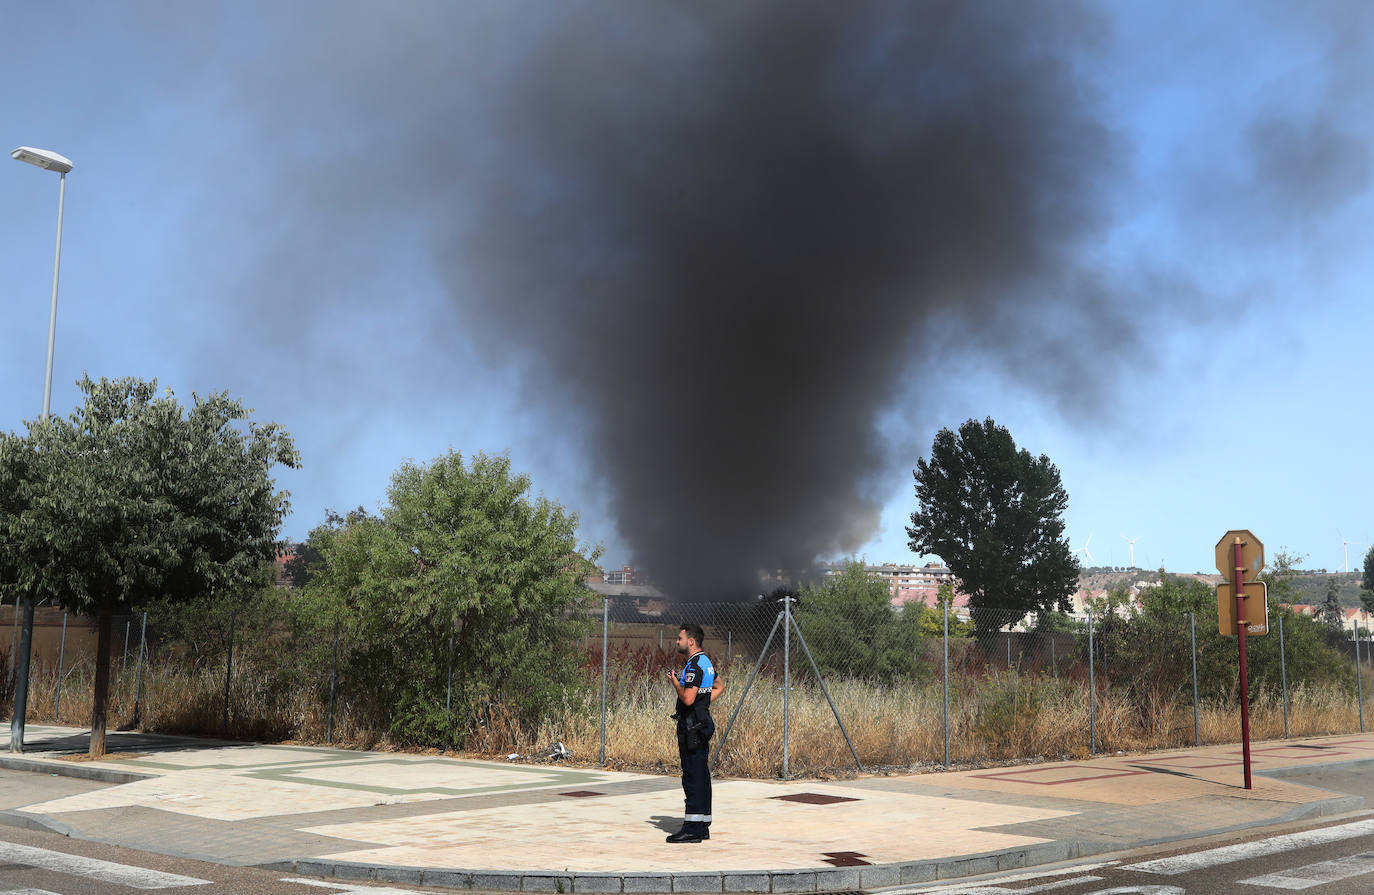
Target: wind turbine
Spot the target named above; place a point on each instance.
(1345, 549)
(1084, 549)
(1131, 543)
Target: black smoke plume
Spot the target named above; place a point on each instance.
(733, 228)
(722, 241)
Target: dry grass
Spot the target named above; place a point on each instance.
(995, 717)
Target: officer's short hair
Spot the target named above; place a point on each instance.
(694, 632)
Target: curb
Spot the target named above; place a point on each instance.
(67, 769)
(35, 822)
(765, 882)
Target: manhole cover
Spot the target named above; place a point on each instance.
(581, 794)
(814, 798)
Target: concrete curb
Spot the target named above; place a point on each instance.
(68, 769)
(35, 822)
(765, 882)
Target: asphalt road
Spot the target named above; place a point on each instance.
(1334, 857)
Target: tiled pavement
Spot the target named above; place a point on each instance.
(489, 825)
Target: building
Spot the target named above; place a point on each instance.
(624, 575)
(908, 582)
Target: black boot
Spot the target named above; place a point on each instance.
(689, 833)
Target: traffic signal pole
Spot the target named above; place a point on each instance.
(1239, 588)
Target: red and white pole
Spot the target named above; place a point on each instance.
(1238, 577)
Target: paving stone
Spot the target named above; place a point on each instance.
(880, 876)
(449, 879)
(794, 881)
(962, 867)
(350, 870)
(746, 882)
(647, 882)
(496, 882)
(839, 879)
(918, 872)
(546, 882)
(697, 882)
(410, 875)
(315, 868)
(597, 882)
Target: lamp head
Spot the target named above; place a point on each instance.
(48, 161)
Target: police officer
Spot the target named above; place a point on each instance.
(694, 729)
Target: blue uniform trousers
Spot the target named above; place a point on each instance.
(696, 784)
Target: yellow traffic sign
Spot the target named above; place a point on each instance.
(1256, 609)
(1251, 554)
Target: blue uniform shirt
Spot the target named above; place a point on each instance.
(699, 673)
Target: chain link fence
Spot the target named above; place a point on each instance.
(810, 689)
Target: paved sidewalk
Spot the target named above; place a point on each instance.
(437, 820)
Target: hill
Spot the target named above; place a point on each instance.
(1311, 584)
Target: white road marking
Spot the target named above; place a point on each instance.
(961, 888)
(342, 887)
(93, 868)
(1257, 849)
(27, 892)
(1316, 874)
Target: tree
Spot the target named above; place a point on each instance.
(135, 498)
(854, 631)
(1332, 615)
(462, 569)
(1367, 581)
(1280, 578)
(995, 516)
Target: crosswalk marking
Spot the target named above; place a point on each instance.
(28, 892)
(93, 868)
(1259, 848)
(1316, 874)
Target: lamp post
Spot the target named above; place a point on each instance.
(48, 161)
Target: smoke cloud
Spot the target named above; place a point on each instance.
(720, 240)
(733, 228)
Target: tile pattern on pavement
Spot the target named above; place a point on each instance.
(253, 804)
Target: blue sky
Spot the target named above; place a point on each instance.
(198, 132)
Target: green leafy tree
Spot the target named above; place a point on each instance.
(995, 515)
(854, 631)
(1332, 614)
(136, 498)
(1280, 578)
(1367, 581)
(461, 555)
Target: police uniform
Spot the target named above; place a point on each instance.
(694, 730)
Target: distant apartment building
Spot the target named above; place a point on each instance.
(908, 582)
(621, 576)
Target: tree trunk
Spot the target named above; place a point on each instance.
(102, 684)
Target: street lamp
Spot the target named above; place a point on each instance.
(48, 161)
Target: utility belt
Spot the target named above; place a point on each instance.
(695, 726)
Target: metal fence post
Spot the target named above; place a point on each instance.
(605, 651)
(1092, 691)
(124, 657)
(138, 670)
(1283, 677)
(1359, 684)
(61, 655)
(333, 676)
(786, 677)
(229, 666)
(1192, 633)
(946, 639)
